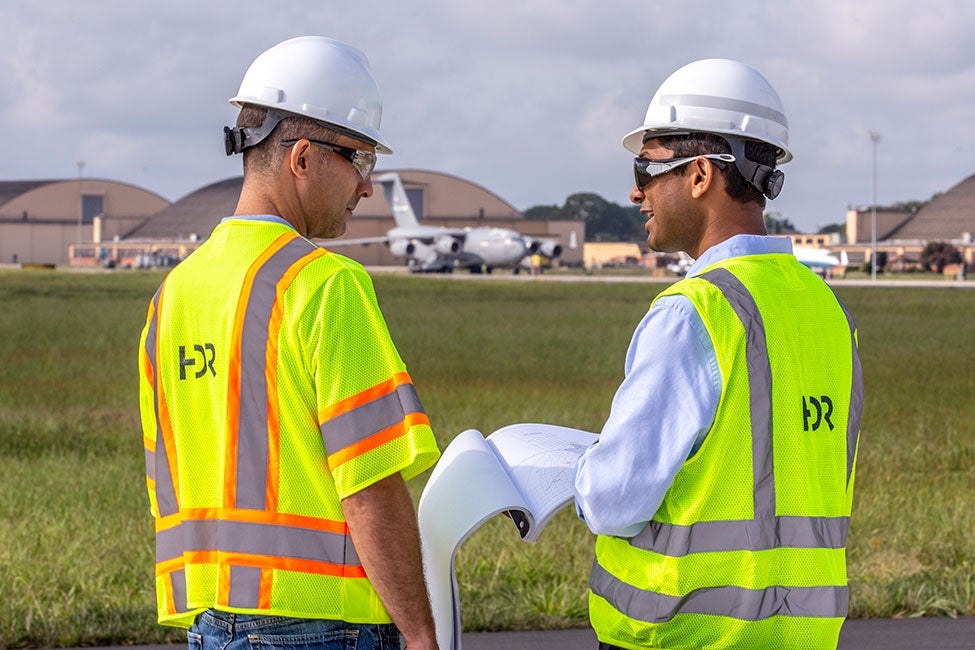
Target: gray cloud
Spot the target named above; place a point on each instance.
(528, 99)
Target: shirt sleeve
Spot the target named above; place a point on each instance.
(659, 418)
(370, 416)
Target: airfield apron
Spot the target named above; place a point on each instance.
(747, 549)
(270, 390)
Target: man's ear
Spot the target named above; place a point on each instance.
(702, 173)
(299, 157)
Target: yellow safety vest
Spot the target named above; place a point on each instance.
(747, 549)
(269, 391)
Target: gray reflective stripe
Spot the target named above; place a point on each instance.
(747, 535)
(856, 395)
(252, 439)
(178, 582)
(764, 532)
(726, 104)
(272, 540)
(736, 602)
(759, 384)
(157, 463)
(188, 536)
(150, 465)
(363, 421)
(245, 587)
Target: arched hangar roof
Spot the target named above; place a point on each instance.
(58, 199)
(444, 197)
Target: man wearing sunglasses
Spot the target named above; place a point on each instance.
(280, 423)
(721, 487)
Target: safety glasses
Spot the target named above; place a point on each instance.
(645, 170)
(363, 161)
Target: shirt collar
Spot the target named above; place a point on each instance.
(259, 217)
(738, 246)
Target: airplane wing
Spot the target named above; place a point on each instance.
(437, 248)
(334, 243)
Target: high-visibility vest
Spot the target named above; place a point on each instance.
(270, 390)
(747, 549)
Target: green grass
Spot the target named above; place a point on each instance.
(76, 537)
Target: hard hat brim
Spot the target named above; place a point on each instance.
(633, 141)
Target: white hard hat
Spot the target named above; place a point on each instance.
(716, 96)
(315, 77)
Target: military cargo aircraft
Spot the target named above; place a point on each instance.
(441, 249)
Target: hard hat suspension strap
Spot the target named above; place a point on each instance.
(238, 138)
(765, 179)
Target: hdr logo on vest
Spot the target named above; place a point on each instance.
(204, 354)
(824, 410)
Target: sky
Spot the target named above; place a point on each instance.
(527, 98)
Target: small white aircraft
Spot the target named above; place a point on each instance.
(818, 258)
(437, 248)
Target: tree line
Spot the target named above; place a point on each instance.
(606, 221)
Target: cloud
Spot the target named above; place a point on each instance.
(529, 99)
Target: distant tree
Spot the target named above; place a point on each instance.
(604, 220)
(938, 254)
(905, 206)
(833, 227)
(775, 224)
(543, 212)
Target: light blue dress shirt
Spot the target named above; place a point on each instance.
(663, 409)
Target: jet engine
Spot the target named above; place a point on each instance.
(401, 247)
(423, 254)
(446, 245)
(550, 249)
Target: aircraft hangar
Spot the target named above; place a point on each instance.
(40, 218)
(437, 199)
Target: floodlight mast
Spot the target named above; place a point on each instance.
(874, 138)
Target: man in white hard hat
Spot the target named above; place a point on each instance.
(721, 486)
(280, 423)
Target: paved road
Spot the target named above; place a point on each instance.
(873, 634)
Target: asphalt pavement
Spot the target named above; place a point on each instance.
(857, 634)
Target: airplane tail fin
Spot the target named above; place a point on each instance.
(396, 197)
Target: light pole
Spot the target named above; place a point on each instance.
(81, 202)
(874, 138)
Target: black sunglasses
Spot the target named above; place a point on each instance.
(644, 170)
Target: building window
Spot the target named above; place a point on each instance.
(92, 205)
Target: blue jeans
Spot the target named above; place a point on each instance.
(214, 630)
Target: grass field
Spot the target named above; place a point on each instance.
(75, 533)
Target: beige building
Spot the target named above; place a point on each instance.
(40, 219)
(438, 200)
(600, 254)
(949, 217)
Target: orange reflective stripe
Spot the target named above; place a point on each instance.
(164, 568)
(292, 564)
(253, 517)
(364, 397)
(168, 590)
(367, 444)
(264, 594)
(261, 561)
(223, 585)
(170, 484)
(233, 394)
(271, 373)
(148, 371)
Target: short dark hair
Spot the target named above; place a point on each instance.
(266, 155)
(698, 144)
